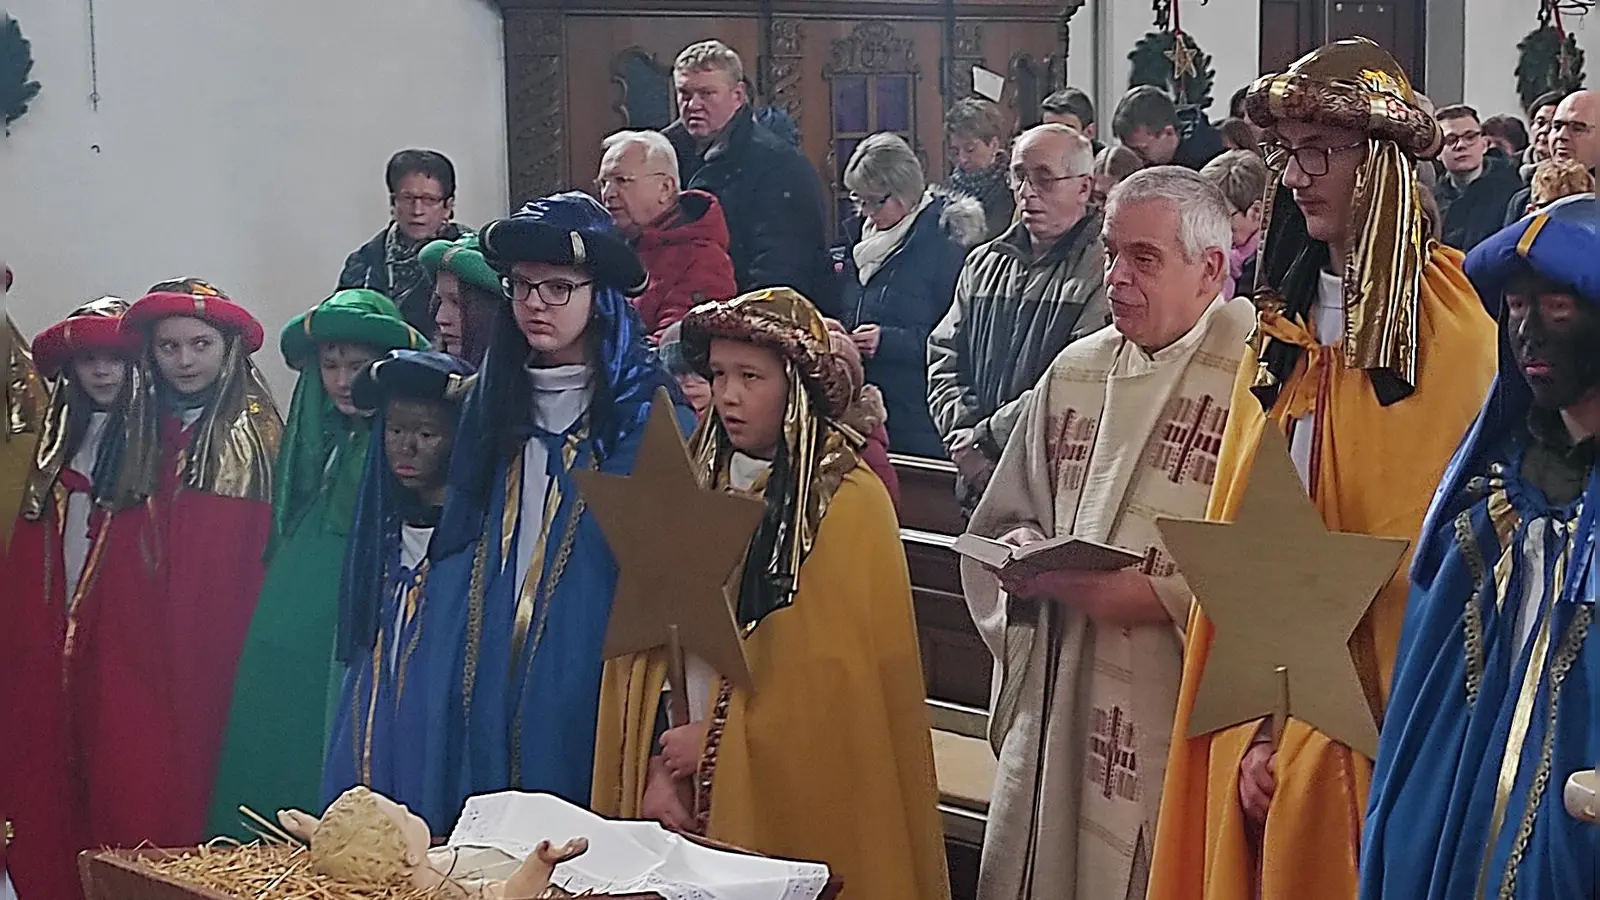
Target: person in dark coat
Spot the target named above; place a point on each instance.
(680, 236)
(770, 194)
(1147, 122)
(900, 277)
(979, 146)
(1476, 186)
(422, 200)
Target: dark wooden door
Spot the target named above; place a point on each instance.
(1396, 24)
(842, 69)
(1292, 28)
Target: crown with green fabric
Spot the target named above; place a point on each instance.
(464, 257)
(356, 316)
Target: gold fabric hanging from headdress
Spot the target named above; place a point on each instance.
(56, 431)
(23, 397)
(1352, 84)
(235, 441)
(816, 453)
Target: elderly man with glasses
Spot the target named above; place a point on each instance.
(1019, 300)
(422, 200)
(680, 236)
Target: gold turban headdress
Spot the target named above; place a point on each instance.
(815, 452)
(1352, 84)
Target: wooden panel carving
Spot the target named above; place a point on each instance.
(969, 53)
(872, 47)
(644, 89)
(783, 68)
(872, 79)
(536, 93)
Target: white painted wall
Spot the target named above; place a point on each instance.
(1104, 32)
(1493, 29)
(242, 142)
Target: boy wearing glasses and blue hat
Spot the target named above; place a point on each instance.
(522, 574)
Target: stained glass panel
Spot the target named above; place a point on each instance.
(850, 105)
(894, 103)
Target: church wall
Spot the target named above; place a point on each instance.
(241, 142)
(1228, 30)
(1493, 29)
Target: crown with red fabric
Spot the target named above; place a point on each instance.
(91, 327)
(196, 299)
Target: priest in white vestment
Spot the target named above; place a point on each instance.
(1122, 429)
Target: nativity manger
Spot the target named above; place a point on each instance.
(508, 846)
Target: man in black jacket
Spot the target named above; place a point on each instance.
(422, 200)
(769, 192)
(1476, 187)
(1147, 122)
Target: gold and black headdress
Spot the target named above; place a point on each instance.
(815, 453)
(1357, 85)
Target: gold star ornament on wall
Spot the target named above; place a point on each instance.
(1182, 57)
(677, 545)
(1282, 592)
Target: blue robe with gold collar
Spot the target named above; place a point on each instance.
(1497, 688)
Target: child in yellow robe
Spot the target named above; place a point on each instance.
(829, 759)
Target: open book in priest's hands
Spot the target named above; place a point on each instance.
(1049, 555)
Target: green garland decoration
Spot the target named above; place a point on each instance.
(16, 62)
(1547, 61)
(1152, 65)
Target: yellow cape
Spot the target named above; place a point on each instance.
(831, 759)
(1374, 470)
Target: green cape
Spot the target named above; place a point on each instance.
(277, 727)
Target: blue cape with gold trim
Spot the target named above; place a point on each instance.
(1494, 695)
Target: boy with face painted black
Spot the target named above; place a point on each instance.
(1500, 661)
(416, 398)
(1555, 339)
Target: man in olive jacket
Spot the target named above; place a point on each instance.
(1020, 299)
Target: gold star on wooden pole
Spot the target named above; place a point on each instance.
(676, 545)
(1182, 58)
(1284, 592)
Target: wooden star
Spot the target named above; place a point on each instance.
(676, 545)
(1282, 591)
(1182, 58)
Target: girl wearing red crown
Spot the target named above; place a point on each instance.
(51, 560)
(157, 636)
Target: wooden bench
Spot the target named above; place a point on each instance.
(955, 663)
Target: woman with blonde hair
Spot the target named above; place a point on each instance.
(900, 277)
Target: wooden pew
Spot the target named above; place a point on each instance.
(955, 662)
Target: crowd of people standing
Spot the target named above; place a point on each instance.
(397, 581)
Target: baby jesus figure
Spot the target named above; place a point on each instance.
(365, 838)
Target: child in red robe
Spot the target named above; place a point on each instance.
(159, 633)
(49, 562)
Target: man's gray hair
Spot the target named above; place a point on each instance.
(659, 155)
(1079, 158)
(1204, 215)
(710, 56)
(884, 164)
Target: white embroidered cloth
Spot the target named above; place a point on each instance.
(623, 857)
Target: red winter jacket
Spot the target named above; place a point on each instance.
(686, 254)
